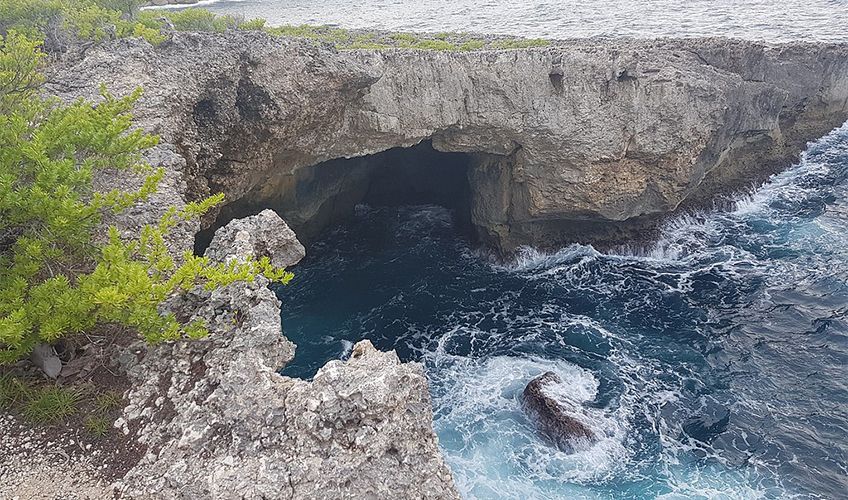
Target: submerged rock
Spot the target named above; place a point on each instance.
(708, 422)
(554, 420)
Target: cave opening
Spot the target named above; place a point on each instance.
(312, 199)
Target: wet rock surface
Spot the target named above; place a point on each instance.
(552, 416)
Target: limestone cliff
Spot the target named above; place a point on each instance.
(217, 421)
(578, 141)
(582, 140)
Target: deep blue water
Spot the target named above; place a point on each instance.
(735, 314)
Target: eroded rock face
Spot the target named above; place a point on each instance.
(261, 235)
(554, 420)
(582, 140)
(577, 141)
(218, 421)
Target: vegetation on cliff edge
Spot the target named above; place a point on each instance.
(104, 19)
(57, 278)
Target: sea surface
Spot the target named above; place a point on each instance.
(712, 364)
(770, 20)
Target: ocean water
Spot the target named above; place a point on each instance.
(735, 315)
(771, 20)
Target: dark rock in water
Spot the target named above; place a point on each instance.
(553, 419)
(709, 422)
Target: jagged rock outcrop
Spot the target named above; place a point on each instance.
(577, 141)
(554, 419)
(218, 421)
(261, 235)
(582, 140)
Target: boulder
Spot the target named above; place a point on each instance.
(261, 235)
(44, 357)
(553, 418)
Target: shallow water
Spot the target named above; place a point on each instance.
(771, 20)
(740, 311)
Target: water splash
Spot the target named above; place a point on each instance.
(740, 312)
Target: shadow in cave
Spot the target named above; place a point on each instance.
(311, 199)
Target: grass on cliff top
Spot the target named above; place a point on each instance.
(357, 39)
(99, 20)
(45, 403)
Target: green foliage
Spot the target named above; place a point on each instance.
(13, 391)
(435, 45)
(97, 425)
(51, 404)
(257, 24)
(472, 45)
(190, 20)
(404, 38)
(103, 19)
(90, 19)
(106, 402)
(520, 43)
(54, 281)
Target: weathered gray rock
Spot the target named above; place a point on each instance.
(583, 140)
(578, 141)
(44, 357)
(553, 418)
(218, 420)
(261, 235)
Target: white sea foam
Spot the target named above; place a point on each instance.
(480, 418)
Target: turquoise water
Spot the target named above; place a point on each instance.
(736, 315)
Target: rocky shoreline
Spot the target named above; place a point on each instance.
(582, 140)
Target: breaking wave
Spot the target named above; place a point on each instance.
(711, 363)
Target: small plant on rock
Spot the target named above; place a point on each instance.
(50, 405)
(13, 391)
(106, 402)
(97, 425)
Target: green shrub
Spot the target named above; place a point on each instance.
(435, 45)
(50, 405)
(198, 20)
(404, 39)
(472, 45)
(101, 19)
(257, 24)
(54, 281)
